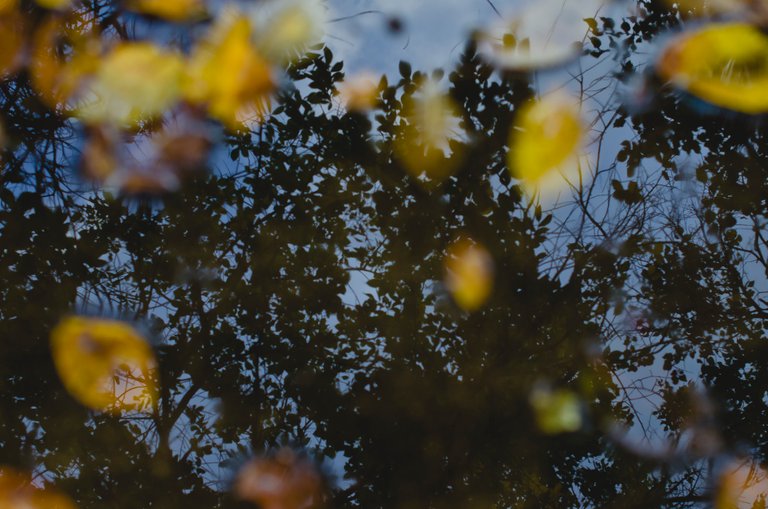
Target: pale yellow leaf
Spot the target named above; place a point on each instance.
(545, 144)
(468, 274)
(136, 81)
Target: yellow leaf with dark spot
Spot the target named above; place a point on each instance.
(104, 364)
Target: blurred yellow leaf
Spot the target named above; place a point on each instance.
(18, 492)
(284, 481)
(64, 54)
(7, 6)
(228, 75)
(136, 81)
(55, 4)
(423, 141)
(360, 92)
(546, 143)
(468, 274)
(173, 10)
(725, 64)
(99, 159)
(11, 40)
(754, 10)
(556, 411)
(742, 485)
(104, 364)
(285, 29)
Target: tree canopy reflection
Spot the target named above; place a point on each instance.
(418, 323)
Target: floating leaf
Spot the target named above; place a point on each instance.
(468, 274)
(136, 81)
(172, 10)
(545, 34)
(725, 64)
(18, 492)
(743, 484)
(284, 481)
(360, 92)
(557, 411)
(755, 10)
(228, 75)
(55, 4)
(286, 29)
(64, 54)
(11, 40)
(546, 143)
(153, 162)
(424, 139)
(8, 6)
(104, 364)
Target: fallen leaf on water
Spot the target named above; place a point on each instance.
(284, 481)
(55, 4)
(104, 364)
(18, 492)
(557, 411)
(172, 10)
(135, 81)
(468, 274)
(285, 29)
(64, 54)
(228, 75)
(360, 92)
(11, 41)
(430, 125)
(743, 484)
(725, 64)
(545, 144)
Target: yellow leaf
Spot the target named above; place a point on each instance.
(136, 81)
(54, 76)
(753, 9)
(18, 492)
(284, 481)
(11, 40)
(360, 92)
(468, 274)
(546, 143)
(104, 364)
(743, 484)
(285, 29)
(724, 64)
(423, 141)
(228, 76)
(556, 411)
(8, 6)
(172, 10)
(55, 4)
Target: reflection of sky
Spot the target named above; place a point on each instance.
(433, 36)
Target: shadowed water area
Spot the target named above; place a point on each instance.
(512, 260)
